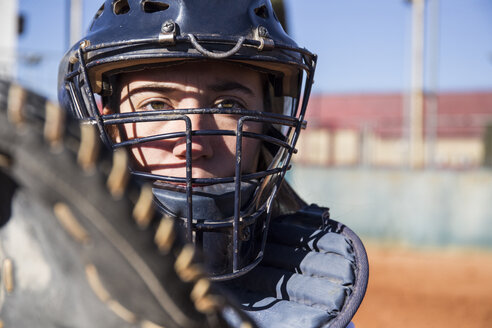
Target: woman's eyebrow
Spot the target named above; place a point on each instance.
(153, 87)
(230, 86)
(222, 86)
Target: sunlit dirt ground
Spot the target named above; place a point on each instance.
(416, 288)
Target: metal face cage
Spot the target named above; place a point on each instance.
(80, 83)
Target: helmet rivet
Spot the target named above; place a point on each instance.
(84, 44)
(167, 27)
(263, 32)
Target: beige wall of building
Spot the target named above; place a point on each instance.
(314, 148)
(459, 152)
(348, 147)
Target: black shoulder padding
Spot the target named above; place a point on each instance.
(314, 273)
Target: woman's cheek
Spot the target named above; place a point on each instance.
(251, 151)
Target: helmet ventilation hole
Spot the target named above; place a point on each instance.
(121, 7)
(154, 6)
(261, 11)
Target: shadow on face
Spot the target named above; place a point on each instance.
(185, 86)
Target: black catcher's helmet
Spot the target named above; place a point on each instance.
(227, 217)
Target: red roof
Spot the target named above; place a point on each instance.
(460, 114)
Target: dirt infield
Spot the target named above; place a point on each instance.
(414, 288)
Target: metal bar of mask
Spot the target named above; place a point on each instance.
(94, 112)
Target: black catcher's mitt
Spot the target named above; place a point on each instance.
(80, 242)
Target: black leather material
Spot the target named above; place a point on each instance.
(314, 274)
(50, 285)
(71, 253)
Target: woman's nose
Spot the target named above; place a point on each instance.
(201, 146)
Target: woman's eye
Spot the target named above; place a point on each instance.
(229, 104)
(156, 105)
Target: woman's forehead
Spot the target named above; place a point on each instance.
(197, 73)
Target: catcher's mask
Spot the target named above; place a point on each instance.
(227, 216)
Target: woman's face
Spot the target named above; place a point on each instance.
(192, 85)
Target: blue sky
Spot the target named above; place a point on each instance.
(363, 46)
